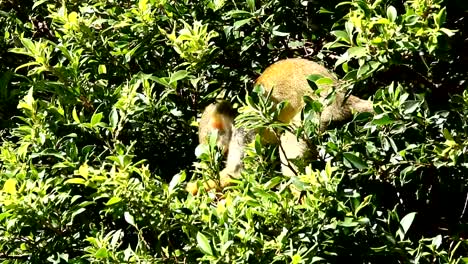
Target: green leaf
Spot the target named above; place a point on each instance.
(447, 32)
(317, 259)
(113, 200)
(83, 170)
(251, 4)
(75, 181)
(38, 3)
(102, 69)
(340, 34)
(175, 181)
(405, 224)
(276, 32)
(364, 203)
(392, 13)
(75, 116)
(101, 253)
(129, 218)
(95, 119)
(114, 118)
(77, 212)
(411, 20)
(363, 70)
(28, 102)
(447, 134)
(440, 18)
(142, 5)
(348, 222)
(382, 120)
(4, 215)
(10, 186)
(65, 52)
(382, 21)
(73, 18)
(349, 29)
(314, 77)
(178, 75)
(204, 244)
(410, 107)
(357, 52)
(226, 246)
(437, 241)
(239, 14)
(355, 160)
(201, 149)
(324, 81)
(240, 23)
(29, 45)
(325, 11)
(279, 33)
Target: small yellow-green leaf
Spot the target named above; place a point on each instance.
(96, 118)
(83, 171)
(28, 102)
(76, 181)
(75, 116)
(73, 18)
(324, 81)
(142, 5)
(113, 200)
(296, 259)
(10, 186)
(102, 69)
(101, 253)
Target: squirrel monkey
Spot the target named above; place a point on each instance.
(287, 81)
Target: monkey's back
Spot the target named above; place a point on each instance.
(288, 79)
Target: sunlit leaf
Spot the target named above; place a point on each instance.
(204, 244)
(129, 218)
(10, 186)
(405, 224)
(113, 200)
(392, 13)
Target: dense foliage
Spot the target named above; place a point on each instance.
(98, 116)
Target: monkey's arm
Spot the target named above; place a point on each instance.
(234, 164)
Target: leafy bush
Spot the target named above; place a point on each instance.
(98, 108)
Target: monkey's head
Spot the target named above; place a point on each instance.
(218, 116)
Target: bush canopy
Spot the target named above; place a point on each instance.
(99, 108)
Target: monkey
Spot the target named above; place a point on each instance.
(285, 80)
